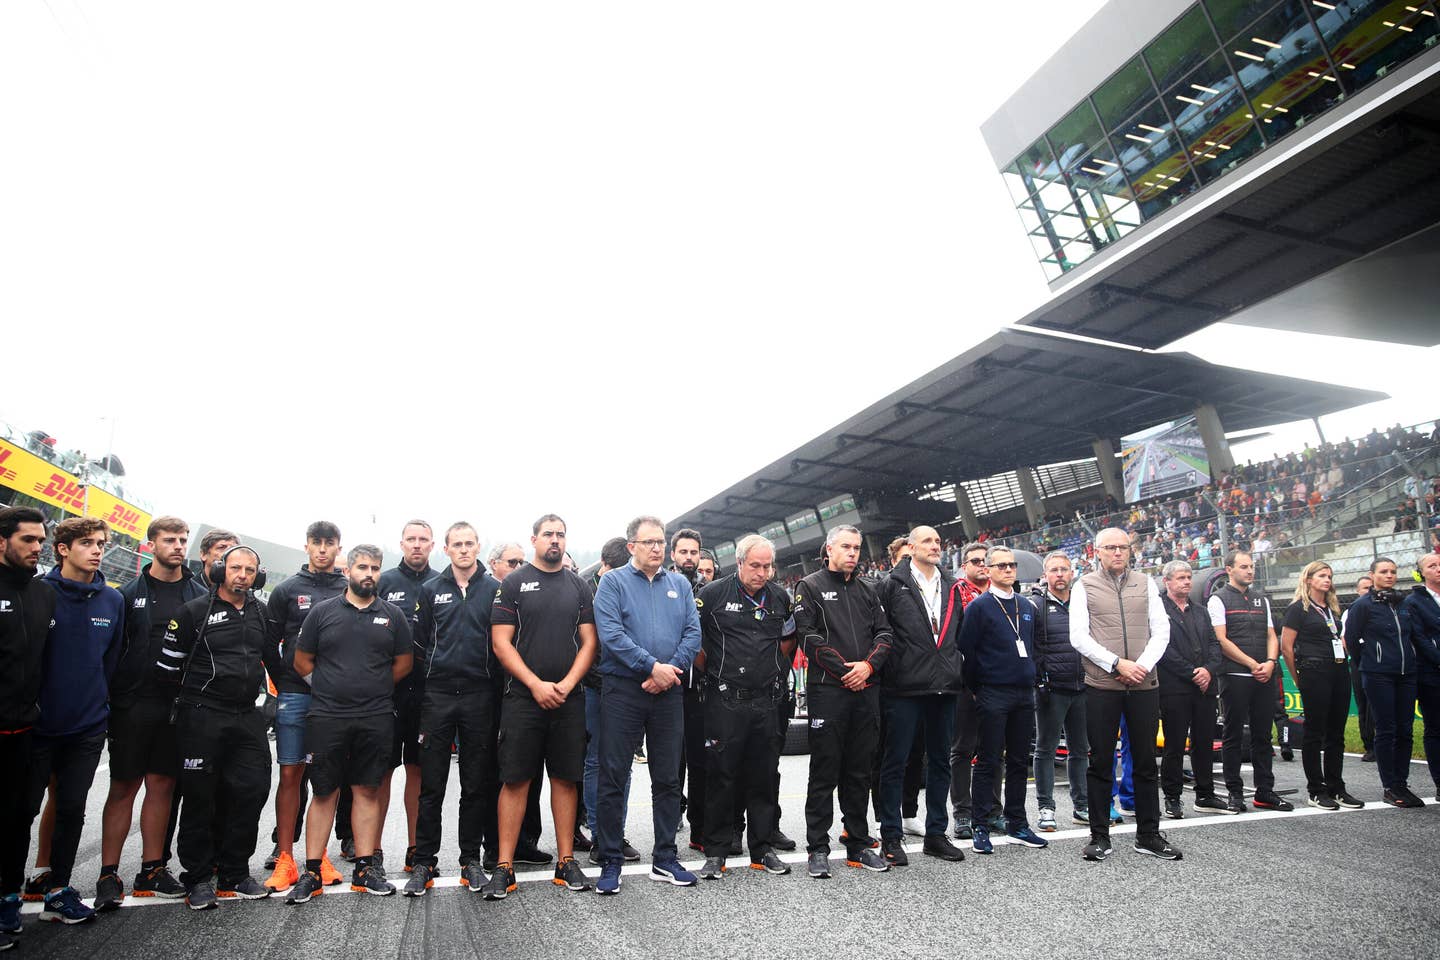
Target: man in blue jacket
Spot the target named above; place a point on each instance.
(997, 638)
(80, 657)
(1378, 627)
(1424, 607)
(649, 634)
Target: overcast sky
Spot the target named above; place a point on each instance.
(362, 260)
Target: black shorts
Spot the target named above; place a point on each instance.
(530, 737)
(142, 740)
(406, 748)
(348, 751)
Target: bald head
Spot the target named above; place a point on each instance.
(1113, 546)
(925, 549)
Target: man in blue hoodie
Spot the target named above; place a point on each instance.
(80, 657)
(27, 606)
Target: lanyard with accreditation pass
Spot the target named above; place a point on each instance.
(1014, 624)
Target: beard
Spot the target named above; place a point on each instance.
(553, 554)
(363, 588)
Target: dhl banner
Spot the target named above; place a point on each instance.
(33, 476)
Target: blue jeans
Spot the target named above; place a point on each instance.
(291, 709)
(1392, 705)
(1125, 782)
(1061, 708)
(902, 716)
(628, 714)
(592, 763)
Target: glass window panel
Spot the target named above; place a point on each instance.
(1098, 171)
(1036, 169)
(1016, 183)
(1052, 197)
(1231, 16)
(1284, 69)
(1048, 249)
(1077, 252)
(1367, 39)
(1123, 94)
(1109, 218)
(1075, 134)
(1187, 42)
(1224, 148)
(1154, 159)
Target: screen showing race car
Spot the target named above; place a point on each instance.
(1163, 460)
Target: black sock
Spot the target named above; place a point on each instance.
(312, 866)
(151, 864)
(361, 863)
(109, 868)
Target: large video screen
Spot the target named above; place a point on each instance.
(1163, 460)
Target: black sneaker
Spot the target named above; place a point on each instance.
(867, 859)
(307, 887)
(581, 842)
(737, 849)
(593, 856)
(1344, 799)
(201, 896)
(1368, 756)
(894, 853)
(422, 878)
(1210, 805)
(1322, 800)
(770, 863)
(247, 889)
(1287, 753)
(274, 855)
(533, 854)
(696, 842)
(1272, 801)
(157, 882)
(939, 846)
(1235, 805)
(713, 869)
(8, 940)
(472, 877)
(371, 879)
(502, 882)
(36, 887)
(1096, 850)
(818, 866)
(629, 853)
(963, 831)
(347, 849)
(1157, 846)
(569, 875)
(1403, 798)
(779, 841)
(109, 893)
(1174, 810)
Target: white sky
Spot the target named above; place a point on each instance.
(364, 260)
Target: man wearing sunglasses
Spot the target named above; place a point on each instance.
(974, 581)
(1118, 624)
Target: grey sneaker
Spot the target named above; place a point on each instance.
(819, 865)
(713, 869)
(770, 863)
(422, 878)
(867, 859)
(109, 893)
(472, 876)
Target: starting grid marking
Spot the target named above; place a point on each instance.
(800, 857)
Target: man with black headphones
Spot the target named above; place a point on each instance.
(212, 653)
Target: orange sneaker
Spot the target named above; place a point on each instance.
(328, 874)
(286, 873)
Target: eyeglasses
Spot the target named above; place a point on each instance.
(977, 561)
(512, 563)
(1115, 547)
(650, 544)
(1002, 566)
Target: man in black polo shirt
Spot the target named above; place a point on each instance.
(354, 648)
(543, 633)
(747, 642)
(142, 745)
(457, 708)
(402, 585)
(212, 652)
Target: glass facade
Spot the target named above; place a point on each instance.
(1221, 83)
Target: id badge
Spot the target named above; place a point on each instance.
(1020, 649)
(1338, 646)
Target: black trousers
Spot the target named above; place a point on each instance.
(742, 744)
(1362, 706)
(1247, 701)
(1141, 710)
(465, 717)
(915, 770)
(694, 763)
(530, 826)
(1427, 693)
(1187, 712)
(226, 755)
(72, 762)
(1325, 694)
(962, 752)
(844, 744)
(1006, 717)
(14, 810)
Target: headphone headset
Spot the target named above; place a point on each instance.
(217, 568)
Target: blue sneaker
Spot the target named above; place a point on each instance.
(980, 842)
(609, 883)
(10, 914)
(1028, 838)
(1115, 816)
(64, 906)
(670, 871)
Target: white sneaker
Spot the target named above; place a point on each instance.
(1047, 821)
(912, 827)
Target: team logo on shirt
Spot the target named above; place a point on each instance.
(101, 622)
(173, 625)
(139, 604)
(444, 597)
(4, 606)
(396, 596)
(383, 621)
(215, 618)
(302, 600)
(194, 763)
(531, 587)
(733, 608)
(830, 595)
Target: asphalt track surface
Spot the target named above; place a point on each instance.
(1349, 884)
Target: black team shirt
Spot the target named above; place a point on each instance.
(546, 610)
(354, 652)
